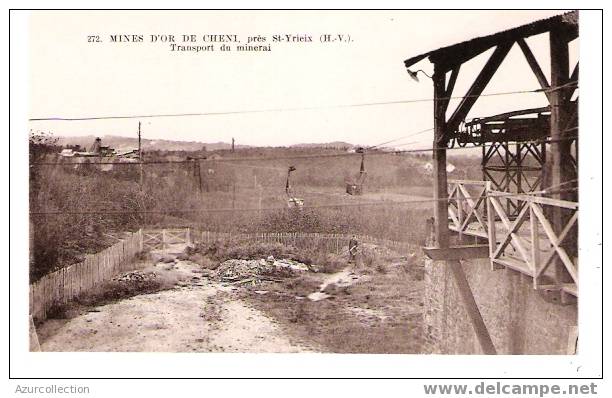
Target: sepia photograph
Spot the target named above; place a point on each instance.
(305, 182)
(238, 231)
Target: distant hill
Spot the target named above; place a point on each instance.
(335, 144)
(126, 143)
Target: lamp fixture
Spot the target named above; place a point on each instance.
(414, 76)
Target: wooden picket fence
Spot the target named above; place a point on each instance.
(63, 285)
(333, 243)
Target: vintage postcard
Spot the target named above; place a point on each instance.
(309, 182)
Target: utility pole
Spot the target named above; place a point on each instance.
(140, 159)
(197, 172)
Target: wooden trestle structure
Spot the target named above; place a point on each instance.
(515, 228)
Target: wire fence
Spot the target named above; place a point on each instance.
(331, 243)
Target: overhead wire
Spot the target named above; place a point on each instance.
(293, 109)
(336, 205)
(401, 138)
(280, 109)
(288, 157)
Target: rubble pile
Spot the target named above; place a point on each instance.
(236, 270)
(135, 276)
(291, 264)
(241, 269)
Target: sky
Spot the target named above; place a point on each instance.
(69, 77)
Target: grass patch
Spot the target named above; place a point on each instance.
(107, 293)
(382, 314)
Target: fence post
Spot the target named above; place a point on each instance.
(188, 236)
(31, 297)
(92, 263)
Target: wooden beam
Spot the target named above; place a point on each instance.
(439, 159)
(556, 242)
(479, 85)
(535, 243)
(467, 252)
(480, 328)
(559, 59)
(462, 52)
(535, 67)
(575, 72)
(452, 80)
(515, 265)
(474, 206)
(573, 78)
(491, 229)
(512, 236)
(543, 200)
(560, 149)
(448, 91)
(441, 209)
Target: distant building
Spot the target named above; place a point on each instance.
(96, 146)
(96, 149)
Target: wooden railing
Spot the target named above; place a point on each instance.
(467, 205)
(527, 243)
(63, 285)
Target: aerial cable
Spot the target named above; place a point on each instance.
(293, 109)
(358, 204)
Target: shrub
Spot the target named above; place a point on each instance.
(332, 264)
(172, 194)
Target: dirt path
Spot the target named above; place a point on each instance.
(195, 317)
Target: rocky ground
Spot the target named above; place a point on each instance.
(194, 316)
(262, 305)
